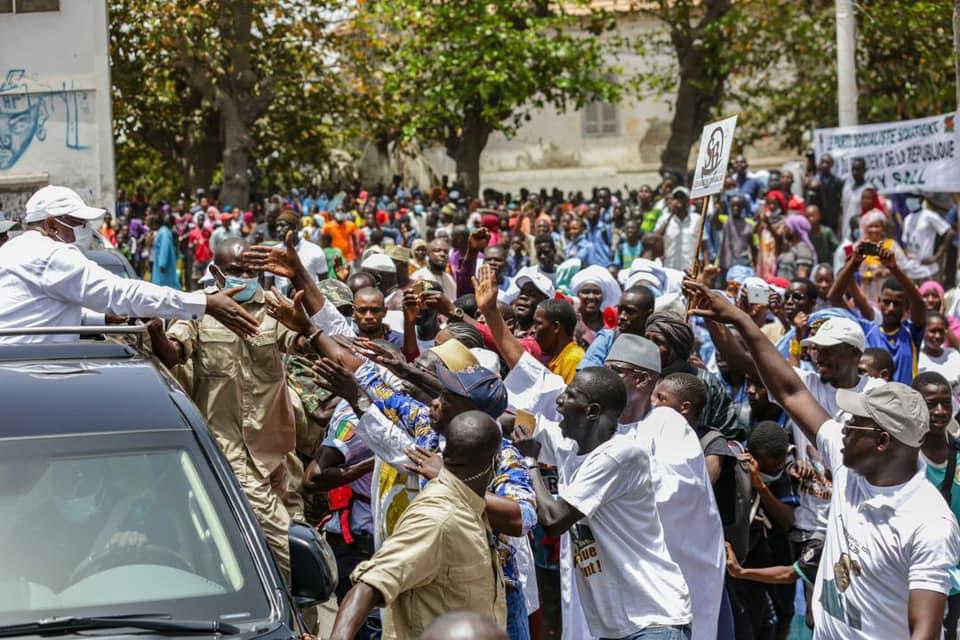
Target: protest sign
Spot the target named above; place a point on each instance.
(913, 155)
(715, 142)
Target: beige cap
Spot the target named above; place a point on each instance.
(895, 407)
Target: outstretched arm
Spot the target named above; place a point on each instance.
(485, 286)
(777, 374)
(845, 283)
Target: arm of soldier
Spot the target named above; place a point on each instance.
(178, 344)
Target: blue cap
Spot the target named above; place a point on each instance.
(482, 386)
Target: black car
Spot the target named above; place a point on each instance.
(113, 261)
(118, 512)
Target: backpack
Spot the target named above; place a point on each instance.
(746, 500)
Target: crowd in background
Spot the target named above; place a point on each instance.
(719, 505)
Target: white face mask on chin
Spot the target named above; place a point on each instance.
(82, 234)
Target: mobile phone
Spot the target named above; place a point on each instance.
(525, 421)
(757, 294)
(869, 249)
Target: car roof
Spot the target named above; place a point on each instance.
(111, 258)
(83, 387)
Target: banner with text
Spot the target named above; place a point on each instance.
(919, 155)
(715, 142)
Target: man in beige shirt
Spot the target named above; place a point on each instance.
(241, 390)
(441, 556)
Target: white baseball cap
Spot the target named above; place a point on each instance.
(53, 202)
(836, 331)
(378, 262)
(537, 279)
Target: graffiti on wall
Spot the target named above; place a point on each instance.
(30, 110)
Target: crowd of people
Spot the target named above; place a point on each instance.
(547, 415)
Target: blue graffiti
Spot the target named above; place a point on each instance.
(25, 108)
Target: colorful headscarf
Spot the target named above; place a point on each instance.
(800, 226)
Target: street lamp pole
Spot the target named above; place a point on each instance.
(846, 63)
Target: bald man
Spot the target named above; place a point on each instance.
(464, 625)
(240, 388)
(369, 311)
(440, 556)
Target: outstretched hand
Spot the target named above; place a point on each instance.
(479, 239)
(289, 313)
(382, 356)
(280, 259)
(708, 303)
(427, 464)
(485, 288)
(335, 378)
(230, 313)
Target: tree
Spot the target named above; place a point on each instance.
(785, 55)
(455, 72)
(228, 83)
(694, 33)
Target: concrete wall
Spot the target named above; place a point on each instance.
(55, 120)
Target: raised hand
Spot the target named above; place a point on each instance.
(485, 288)
(479, 239)
(708, 303)
(289, 313)
(887, 258)
(411, 305)
(230, 314)
(280, 259)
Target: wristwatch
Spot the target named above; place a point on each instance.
(530, 462)
(457, 313)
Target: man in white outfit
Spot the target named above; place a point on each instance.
(46, 281)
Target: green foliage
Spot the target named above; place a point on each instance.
(783, 55)
(429, 70)
(186, 70)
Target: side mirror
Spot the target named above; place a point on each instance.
(312, 566)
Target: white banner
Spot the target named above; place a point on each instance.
(713, 157)
(913, 155)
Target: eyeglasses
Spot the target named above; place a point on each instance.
(622, 371)
(794, 295)
(852, 427)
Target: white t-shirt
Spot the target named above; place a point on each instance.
(920, 231)
(882, 542)
(688, 511)
(850, 200)
(625, 576)
(679, 239)
(811, 514)
(445, 280)
(946, 364)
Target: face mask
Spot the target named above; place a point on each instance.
(82, 234)
(767, 478)
(80, 509)
(250, 285)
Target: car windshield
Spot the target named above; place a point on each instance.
(119, 532)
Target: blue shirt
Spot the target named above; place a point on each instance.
(903, 345)
(749, 186)
(599, 241)
(597, 352)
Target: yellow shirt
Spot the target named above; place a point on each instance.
(565, 364)
(240, 387)
(439, 558)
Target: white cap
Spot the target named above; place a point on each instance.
(378, 262)
(537, 279)
(836, 331)
(53, 202)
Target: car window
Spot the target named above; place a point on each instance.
(112, 533)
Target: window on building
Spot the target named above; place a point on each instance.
(33, 6)
(6, 6)
(600, 119)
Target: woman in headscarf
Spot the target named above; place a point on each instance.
(596, 290)
(933, 296)
(873, 230)
(674, 338)
(774, 209)
(797, 253)
(418, 255)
